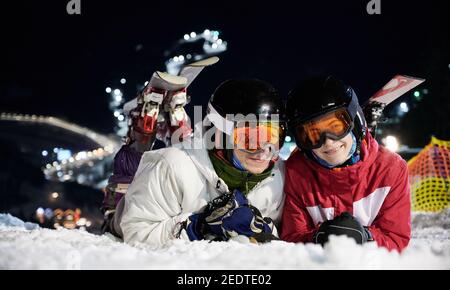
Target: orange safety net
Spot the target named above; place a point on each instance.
(429, 177)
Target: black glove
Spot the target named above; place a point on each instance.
(263, 238)
(344, 224)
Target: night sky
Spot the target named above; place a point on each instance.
(59, 64)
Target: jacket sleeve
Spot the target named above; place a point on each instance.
(275, 207)
(152, 205)
(392, 226)
(296, 223)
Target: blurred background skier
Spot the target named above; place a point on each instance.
(156, 113)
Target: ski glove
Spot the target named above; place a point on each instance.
(344, 224)
(208, 224)
(248, 221)
(227, 216)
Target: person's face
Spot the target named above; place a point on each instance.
(254, 163)
(335, 152)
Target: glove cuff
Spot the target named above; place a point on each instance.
(194, 227)
(368, 234)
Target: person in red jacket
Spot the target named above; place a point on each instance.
(340, 181)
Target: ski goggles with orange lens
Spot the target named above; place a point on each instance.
(334, 125)
(255, 138)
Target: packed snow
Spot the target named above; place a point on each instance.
(26, 246)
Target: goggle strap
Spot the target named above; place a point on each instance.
(224, 125)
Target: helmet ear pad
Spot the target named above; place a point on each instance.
(356, 112)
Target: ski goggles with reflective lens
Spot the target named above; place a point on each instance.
(334, 125)
(256, 138)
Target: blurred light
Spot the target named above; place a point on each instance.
(188, 56)
(81, 222)
(55, 195)
(88, 223)
(118, 98)
(193, 34)
(81, 155)
(214, 45)
(44, 153)
(288, 139)
(48, 166)
(219, 41)
(121, 118)
(175, 58)
(186, 36)
(123, 81)
(391, 143)
(109, 148)
(181, 58)
(64, 154)
(55, 150)
(117, 92)
(48, 213)
(40, 211)
(207, 32)
(418, 96)
(146, 83)
(108, 90)
(71, 159)
(55, 163)
(404, 107)
(116, 114)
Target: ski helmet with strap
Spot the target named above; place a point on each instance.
(246, 97)
(318, 96)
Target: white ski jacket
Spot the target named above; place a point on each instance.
(172, 183)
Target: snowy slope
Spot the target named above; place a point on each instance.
(26, 246)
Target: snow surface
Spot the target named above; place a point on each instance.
(26, 246)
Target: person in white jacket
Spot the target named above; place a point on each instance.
(215, 191)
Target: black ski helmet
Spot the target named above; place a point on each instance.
(246, 96)
(319, 95)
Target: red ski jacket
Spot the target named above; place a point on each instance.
(375, 190)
